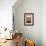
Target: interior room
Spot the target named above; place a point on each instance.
(22, 22)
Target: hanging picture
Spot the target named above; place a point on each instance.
(28, 19)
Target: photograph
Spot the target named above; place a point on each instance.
(28, 19)
(22, 22)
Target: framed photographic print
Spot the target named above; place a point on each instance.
(28, 19)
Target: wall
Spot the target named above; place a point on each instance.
(29, 32)
(6, 13)
(43, 22)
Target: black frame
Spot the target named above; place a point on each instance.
(28, 19)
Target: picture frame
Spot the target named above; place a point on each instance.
(28, 19)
